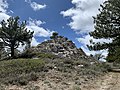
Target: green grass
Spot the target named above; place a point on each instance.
(20, 71)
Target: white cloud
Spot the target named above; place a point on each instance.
(81, 14)
(3, 6)
(35, 22)
(34, 42)
(35, 25)
(3, 10)
(82, 21)
(86, 41)
(35, 6)
(3, 16)
(103, 53)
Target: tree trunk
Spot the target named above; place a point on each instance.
(12, 51)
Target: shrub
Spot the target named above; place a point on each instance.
(20, 71)
(46, 55)
(76, 88)
(29, 53)
(22, 79)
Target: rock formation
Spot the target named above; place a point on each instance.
(60, 46)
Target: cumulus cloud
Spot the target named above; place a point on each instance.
(3, 6)
(81, 14)
(103, 53)
(82, 22)
(34, 42)
(4, 16)
(3, 10)
(85, 40)
(39, 31)
(35, 6)
(35, 25)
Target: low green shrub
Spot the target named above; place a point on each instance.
(76, 88)
(20, 71)
(22, 79)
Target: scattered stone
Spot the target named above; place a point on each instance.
(61, 47)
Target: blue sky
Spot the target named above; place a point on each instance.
(54, 21)
(70, 18)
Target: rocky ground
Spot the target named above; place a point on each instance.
(65, 75)
(110, 81)
(60, 46)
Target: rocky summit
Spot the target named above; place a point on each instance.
(60, 46)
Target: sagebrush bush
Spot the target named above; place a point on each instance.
(20, 71)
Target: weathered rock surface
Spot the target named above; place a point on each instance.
(60, 46)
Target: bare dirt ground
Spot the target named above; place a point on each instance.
(111, 81)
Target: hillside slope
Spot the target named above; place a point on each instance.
(55, 64)
(110, 81)
(54, 74)
(62, 47)
(59, 46)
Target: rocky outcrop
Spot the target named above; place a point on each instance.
(60, 46)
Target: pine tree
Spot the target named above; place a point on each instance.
(13, 32)
(107, 26)
(54, 35)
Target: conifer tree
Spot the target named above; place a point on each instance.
(107, 26)
(54, 35)
(13, 32)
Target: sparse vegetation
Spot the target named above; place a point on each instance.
(46, 55)
(50, 69)
(20, 71)
(28, 53)
(76, 88)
